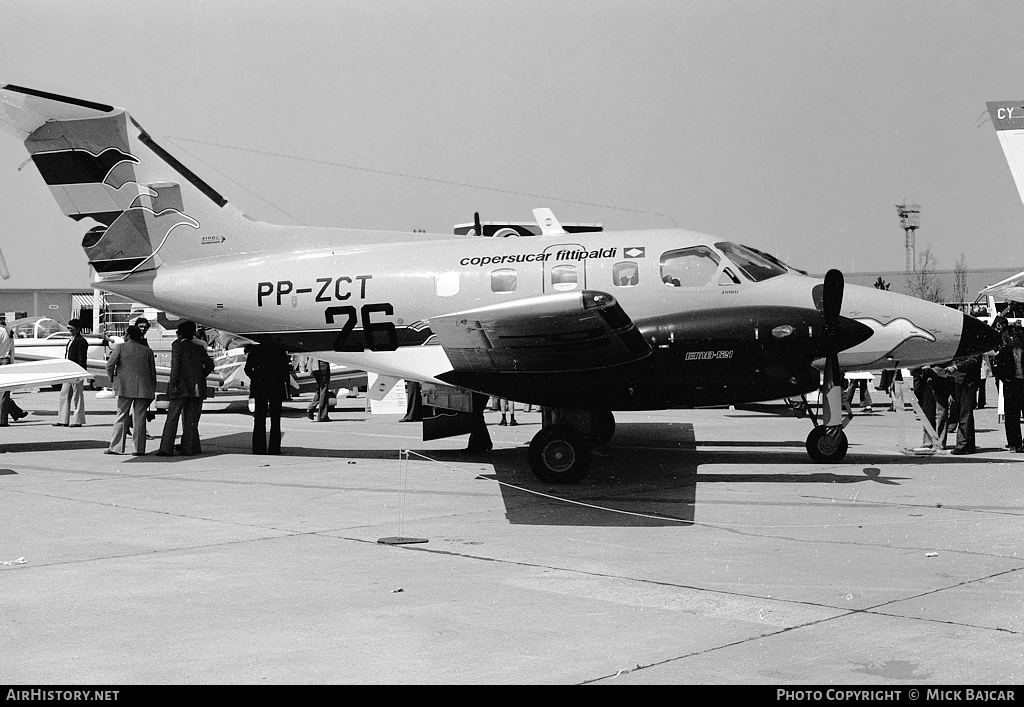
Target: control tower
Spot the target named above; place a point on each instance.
(910, 219)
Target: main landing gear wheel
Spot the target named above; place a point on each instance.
(559, 455)
(824, 450)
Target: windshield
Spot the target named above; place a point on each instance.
(775, 260)
(750, 262)
(47, 328)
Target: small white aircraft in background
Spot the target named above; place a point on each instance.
(45, 339)
(581, 324)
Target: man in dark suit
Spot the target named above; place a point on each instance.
(1008, 368)
(966, 374)
(186, 388)
(934, 388)
(268, 367)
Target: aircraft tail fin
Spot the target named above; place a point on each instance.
(101, 165)
(1008, 119)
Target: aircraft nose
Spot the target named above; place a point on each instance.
(976, 337)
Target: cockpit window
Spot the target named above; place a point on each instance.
(750, 263)
(689, 267)
(47, 328)
(775, 260)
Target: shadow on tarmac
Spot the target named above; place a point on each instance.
(647, 476)
(68, 445)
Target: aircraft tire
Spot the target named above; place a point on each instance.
(820, 455)
(559, 455)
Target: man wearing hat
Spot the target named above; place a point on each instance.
(71, 395)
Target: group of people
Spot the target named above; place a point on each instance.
(1006, 367)
(131, 368)
(950, 393)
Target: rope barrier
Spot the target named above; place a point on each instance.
(663, 517)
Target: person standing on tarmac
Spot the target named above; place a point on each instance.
(8, 408)
(1008, 368)
(132, 371)
(268, 367)
(966, 374)
(321, 403)
(186, 388)
(71, 412)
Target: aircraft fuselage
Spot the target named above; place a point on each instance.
(713, 321)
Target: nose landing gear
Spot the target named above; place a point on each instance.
(826, 443)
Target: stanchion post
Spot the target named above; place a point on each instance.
(401, 539)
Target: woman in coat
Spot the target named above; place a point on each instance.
(132, 368)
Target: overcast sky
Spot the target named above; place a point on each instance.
(793, 126)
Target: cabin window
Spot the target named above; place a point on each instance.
(446, 284)
(626, 274)
(503, 280)
(689, 267)
(564, 277)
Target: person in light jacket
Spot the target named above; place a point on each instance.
(132, 369)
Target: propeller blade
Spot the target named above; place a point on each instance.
(476, 223)
(831, 304)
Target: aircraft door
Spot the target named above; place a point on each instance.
(564, 269)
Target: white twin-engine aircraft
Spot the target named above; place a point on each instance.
(581, 324)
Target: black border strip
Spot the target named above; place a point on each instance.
(62, 99)
(121, 264)
(181, 169)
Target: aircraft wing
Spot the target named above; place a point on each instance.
(18, 376)
(1012, 288)
(563, 332)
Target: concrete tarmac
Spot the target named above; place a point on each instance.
(704, 547)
